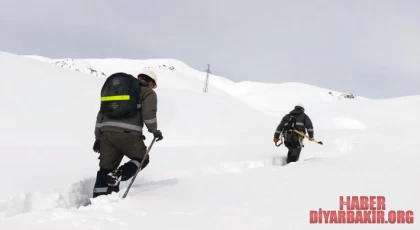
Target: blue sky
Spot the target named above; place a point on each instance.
(367, 47)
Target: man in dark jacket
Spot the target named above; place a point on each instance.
(292, 140)
(116, 138)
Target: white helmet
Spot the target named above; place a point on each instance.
(300, 105)
(150, 74)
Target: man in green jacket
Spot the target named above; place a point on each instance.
(116, 138)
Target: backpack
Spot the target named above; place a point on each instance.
(291, 139)
(120, 96)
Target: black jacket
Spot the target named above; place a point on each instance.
(303, 123)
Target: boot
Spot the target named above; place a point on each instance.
(113, 178)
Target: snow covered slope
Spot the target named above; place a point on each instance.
(73, 64)
(216, 168)
(45, 119)
(266, 97)
(169, 67)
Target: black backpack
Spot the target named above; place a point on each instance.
(120, 96)
(291, 138)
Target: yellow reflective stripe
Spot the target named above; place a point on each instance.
(116, 98)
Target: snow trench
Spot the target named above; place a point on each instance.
(79, 194)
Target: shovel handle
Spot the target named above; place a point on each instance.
(304, 135)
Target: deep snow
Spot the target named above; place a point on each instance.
(217, 167)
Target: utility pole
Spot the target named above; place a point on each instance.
(206, 84)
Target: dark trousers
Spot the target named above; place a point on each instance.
(113, 147)
(293, 154)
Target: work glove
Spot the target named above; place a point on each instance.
(276, 140)
(158, 135)
(97, 145)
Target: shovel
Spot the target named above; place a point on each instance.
(302, 134)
